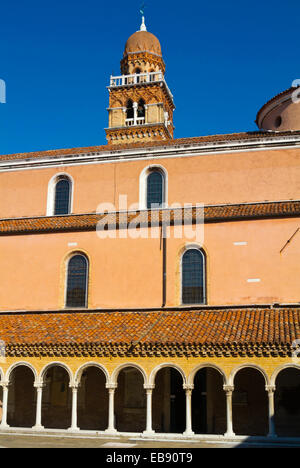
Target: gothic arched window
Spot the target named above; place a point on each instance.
(129, 111)
(152, 77)
(141, 111)
(193, 277)
(138, 71)
(62, 202)
(77, 280)
(155, 189)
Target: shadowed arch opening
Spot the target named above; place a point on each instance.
(250, 403)
(130, 401)
(208, 402)
(129, 109)
(141, 110)
(169, 402)
(93, 400)
(21, 398)
(287, 403)
(57, 398)
(137, 72)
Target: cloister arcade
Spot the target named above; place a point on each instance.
(248, 402)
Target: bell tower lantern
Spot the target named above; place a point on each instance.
(141, 105)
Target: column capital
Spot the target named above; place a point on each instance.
(111, 386)
(149, 386)
(74, 386)
(228, 388)
(39, 385)
(188, 387)
(5, 383)
(270, 388)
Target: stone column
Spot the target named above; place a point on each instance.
(111, 409)
(149, 390)
(135, 112)
(39, 398)
(229, 390)
(4, 424)
(146, 113)
(271, 390)
(188, 399)
(74, 427)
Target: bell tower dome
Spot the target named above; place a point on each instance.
(141, 105)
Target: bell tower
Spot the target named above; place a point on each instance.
(141, 104)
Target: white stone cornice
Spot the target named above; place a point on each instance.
(182, 149)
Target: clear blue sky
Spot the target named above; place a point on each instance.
(224, 61)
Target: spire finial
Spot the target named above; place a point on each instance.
(142, 11)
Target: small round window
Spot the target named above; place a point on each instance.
(278, 121)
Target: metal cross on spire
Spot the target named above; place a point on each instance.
(142, 11)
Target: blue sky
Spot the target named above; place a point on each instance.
(224, 61)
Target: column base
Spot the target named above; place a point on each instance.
(148, 433)
(229, 434)
(74, 429)
(111, 431)
(189, 433)
(4, 426)
(38, 428)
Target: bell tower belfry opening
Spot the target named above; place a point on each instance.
(141, 104)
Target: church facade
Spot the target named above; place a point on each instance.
(151, 286)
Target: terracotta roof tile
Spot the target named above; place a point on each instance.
(243, 136)
(89, 222)
(270, 330)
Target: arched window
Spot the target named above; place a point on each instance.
(62, 203)
(138, 72)
(129, 111)
(77, 282)
(193, 277)
(155, 189)
(152, 76)
(141, 108)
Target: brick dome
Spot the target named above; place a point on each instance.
(143, 41)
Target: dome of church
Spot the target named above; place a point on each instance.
(281, 113)
(143, 41)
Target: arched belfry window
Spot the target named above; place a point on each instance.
(141, 111)
(62, 202)
(129, 110)
(193, 277)
(138, 72)
(77, 281)
(155, 189)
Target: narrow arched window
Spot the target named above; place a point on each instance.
(155, 189)
(193, 277)
(152, 76)
(129, 109)
(138, 72)
(77, 282)
(141, 108)
(62, 204)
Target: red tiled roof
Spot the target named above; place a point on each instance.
(243, 136)
(88, 222)
(260, 330)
